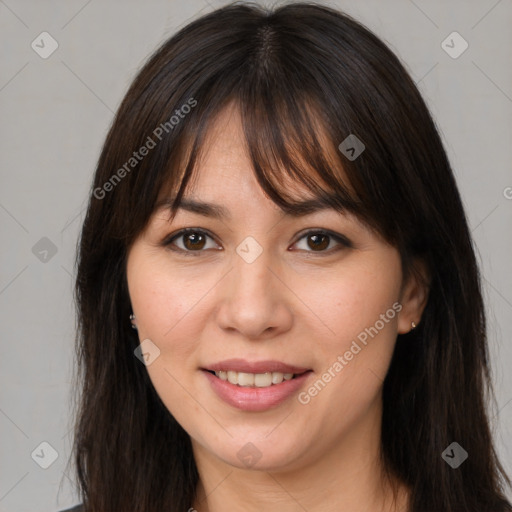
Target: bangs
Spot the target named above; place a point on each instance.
(290, 144)
(297, 103)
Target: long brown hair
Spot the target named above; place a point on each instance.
(289, 70)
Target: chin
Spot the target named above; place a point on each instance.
(260, 454)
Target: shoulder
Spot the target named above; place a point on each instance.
(76, 508)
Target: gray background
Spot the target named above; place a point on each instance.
(55, 113)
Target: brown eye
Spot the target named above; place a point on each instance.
(318, 242)
(190, 241)
(322, 242)
(193, 241)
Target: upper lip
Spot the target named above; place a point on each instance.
(241, 365)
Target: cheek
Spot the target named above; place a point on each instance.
(360, 306)
(155, 298)
(171, 304)
(371, 315)
(168, 312)
(354, 299)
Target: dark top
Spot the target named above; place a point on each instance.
(76, 508)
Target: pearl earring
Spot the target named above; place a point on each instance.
(132, 318)
(413, 326)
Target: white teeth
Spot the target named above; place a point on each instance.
(245, 379)
(277, 377)
(259, 380)
(263, 380)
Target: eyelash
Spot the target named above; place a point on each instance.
(342, 241)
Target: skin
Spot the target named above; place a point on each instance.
(295, 303)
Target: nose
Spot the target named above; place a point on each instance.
(255, 299)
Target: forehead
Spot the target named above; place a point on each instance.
(247, 164)
(225, 162)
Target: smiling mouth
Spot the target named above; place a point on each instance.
(255, 380)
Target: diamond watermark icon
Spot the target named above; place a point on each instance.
(147, 352)
(352, 147)
(44, 250)
(249, 249)
(44, 45)
(454, 455)
(44, 455)
(249, 455)
(454, 45)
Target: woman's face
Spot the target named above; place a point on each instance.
(254, 291)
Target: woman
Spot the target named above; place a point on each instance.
(279, 303)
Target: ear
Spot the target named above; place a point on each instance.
(414, 296)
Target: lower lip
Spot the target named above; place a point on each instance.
(253, 398)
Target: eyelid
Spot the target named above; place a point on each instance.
(342, 240)
(167, 241)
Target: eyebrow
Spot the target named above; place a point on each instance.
(217, 211)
